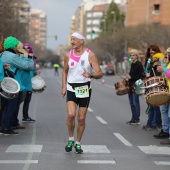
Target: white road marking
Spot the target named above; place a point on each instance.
(162, 163)
(24, 148)
(155, 150)
(95, 162)
(89, 109)
(18, 161)
(95, 149)
(101, 120)
(122, 139)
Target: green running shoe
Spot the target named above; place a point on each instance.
(69, 146)
(78, 149)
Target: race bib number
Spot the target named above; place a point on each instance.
(82, 91)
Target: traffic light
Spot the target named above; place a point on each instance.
(129, 59)
(93, 34)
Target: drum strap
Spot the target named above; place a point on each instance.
(79, 84)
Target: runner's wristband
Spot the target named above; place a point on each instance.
(91, 75)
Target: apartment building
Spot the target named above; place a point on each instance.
(92, 21)
(38, 27)
(147, 12)
(22, 9)
(86, 5)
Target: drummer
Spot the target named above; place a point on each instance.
(136, 73)
(154, 115)
(165, 132)
(10, 56)
(25, 94)
(28, 94)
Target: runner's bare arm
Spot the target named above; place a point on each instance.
(64, 74)
(95, 65)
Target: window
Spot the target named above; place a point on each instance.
(88, 37)
(88, 30)
(89, 15)
(96, 22)
(88, 22)
(156, 9)
(97, 14)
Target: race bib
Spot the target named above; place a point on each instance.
(82, 91)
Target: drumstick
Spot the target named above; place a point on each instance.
(122, 77)
(153, 72)
(10, 68)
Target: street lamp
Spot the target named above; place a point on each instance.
(114, 20)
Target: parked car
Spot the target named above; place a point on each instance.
(110, 71)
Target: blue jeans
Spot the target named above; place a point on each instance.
(154, 117)
(7, 115)
(135, 105)
(169, 118)
(165, 109)
(15, 121)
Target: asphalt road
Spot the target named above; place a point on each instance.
(108, 142)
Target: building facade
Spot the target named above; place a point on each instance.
(86, 5)
(22, 10)
(38, 27)
(92, 21)
(147, 12)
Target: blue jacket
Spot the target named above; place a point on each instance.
(20, 66)
(1, 70)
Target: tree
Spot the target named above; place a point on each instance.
(9, 19)
(112, 15)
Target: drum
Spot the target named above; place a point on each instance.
(139, 87)
(9, 88)
(157, 92)
(122, 87)
(38, 84)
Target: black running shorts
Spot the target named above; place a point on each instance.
(81, 102)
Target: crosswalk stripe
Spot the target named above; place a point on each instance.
(24, 148)
(157, 150)
(18, 161)
(96, 162)
(162, 163)
(95, 149)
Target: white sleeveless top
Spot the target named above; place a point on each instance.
(77, 65)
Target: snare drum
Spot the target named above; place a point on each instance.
(9, 88)
(38, 84)
(122, 87)
(157, 92)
